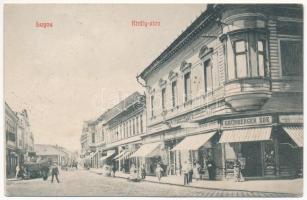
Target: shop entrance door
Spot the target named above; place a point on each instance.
(252, 152)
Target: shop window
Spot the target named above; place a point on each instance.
(174, 93)
(246, 55)
(269, 155)
(291, 54)
(187, 86)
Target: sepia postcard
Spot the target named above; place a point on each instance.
(153, 100)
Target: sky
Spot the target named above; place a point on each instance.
(84, 64)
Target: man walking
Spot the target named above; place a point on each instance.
(185, 170)
(55, 172)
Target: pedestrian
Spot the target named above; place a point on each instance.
(185, 169)
(237, 171)
(17, 171)
(143, 171)
(55, 172)
(45, 172)
(196, 170)
(113, 169)
(211, 169)
(190, 173)
(159, 171)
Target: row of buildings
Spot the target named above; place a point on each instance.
(56, 154)
(19, 139)
(229, 88)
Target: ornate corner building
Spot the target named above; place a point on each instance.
(229, 88)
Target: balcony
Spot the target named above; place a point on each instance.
(247, 93)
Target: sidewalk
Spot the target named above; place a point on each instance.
(292, 186)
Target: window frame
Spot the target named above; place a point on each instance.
(187, 96)
(152, 99)
(246, 52)
(210, 64)
(288, 38)
(163, 98)
(251, 38)
(174, 93)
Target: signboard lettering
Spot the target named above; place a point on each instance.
(247, 121)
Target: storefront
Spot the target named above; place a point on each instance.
(123, 159)
(11, 162)
(203, 149)
(264, 149)
(150, 155)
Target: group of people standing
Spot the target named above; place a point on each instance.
(21, 172)
(195, 170)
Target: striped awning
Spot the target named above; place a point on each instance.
(148, 150)
(93, 154)
(296, 133)
(119, 155)
(194, 142)
(246, 135)
(127, 155)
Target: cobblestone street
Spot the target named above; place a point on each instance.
(85, 183)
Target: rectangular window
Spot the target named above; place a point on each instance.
(261, 56)
(228, 50)
(93, 137)
(163, 98)
(240, 58)
(187, 86)
(137, 124)
(130, 128)
(291, 54)
(208, 76)
(141, 123)
(133, 124)
(126, 128)
(152, 98)
(123, 131)
(174, 93)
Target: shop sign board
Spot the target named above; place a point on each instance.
(291, 119)
(259, 120)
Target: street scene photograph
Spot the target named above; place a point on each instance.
(153, 100)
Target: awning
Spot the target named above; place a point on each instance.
(109, 154)
(194, 142)
(246, 135)
(296, 134)
(119, 155)
(92, 154)
(148, 150)
(127, 155)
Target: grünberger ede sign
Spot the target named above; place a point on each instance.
(262, 120)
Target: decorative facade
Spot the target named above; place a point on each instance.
(229, 89)
(116, 133)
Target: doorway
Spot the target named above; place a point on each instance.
(252, 152)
